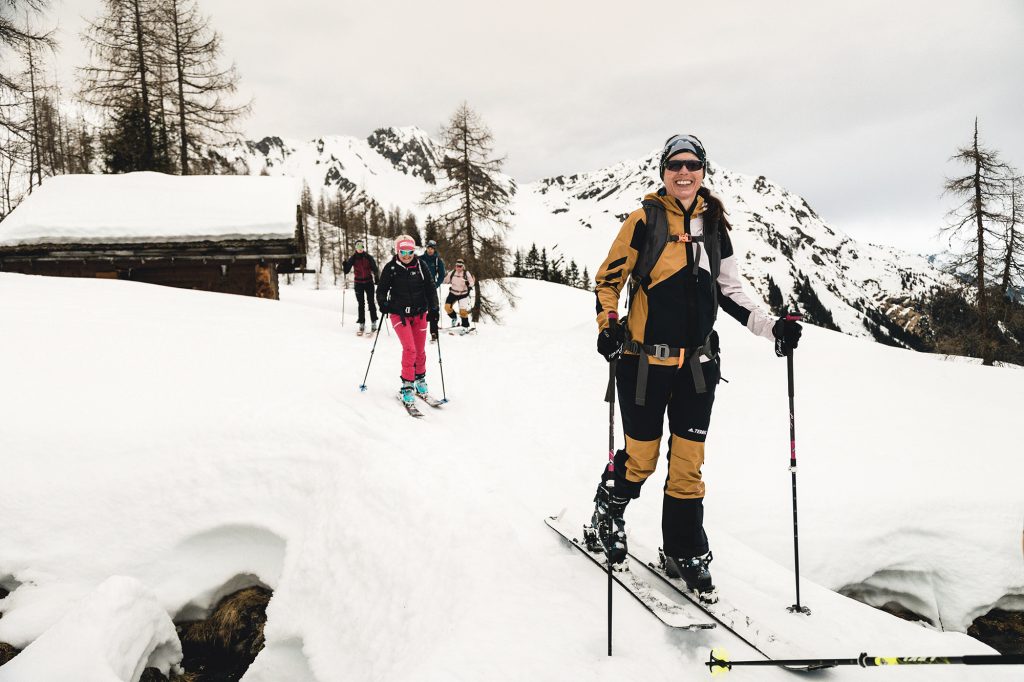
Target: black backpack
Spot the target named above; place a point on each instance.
(656, 237)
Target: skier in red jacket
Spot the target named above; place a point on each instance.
(366, 277)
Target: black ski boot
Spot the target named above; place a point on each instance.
(607, 530)
(694, 572)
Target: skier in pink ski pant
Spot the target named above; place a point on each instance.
(413, 335)
(405, 291)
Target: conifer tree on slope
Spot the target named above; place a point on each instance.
(981, 189)
(17, 36)
(1011, 245)
(474, 204)
(200, 88)
(19, 94)
(124, 50)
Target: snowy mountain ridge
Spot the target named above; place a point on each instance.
(791, 256)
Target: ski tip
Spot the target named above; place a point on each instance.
(719, 662)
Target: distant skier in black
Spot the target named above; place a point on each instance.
(435, 265)
(408, 296)
(670, 361)
(366, 276)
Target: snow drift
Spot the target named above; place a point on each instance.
(191, 442)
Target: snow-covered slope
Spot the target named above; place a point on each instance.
(862, 289)
(233, 445)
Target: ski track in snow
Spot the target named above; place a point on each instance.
(194, 441)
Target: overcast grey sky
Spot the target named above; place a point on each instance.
(856, 106)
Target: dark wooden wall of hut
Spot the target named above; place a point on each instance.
(246, 278)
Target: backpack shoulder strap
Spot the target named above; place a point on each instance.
(655, 238)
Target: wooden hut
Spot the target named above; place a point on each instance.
(225, 233)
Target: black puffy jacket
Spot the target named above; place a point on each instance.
(406, 289)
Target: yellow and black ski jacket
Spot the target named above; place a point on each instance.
(676, 304)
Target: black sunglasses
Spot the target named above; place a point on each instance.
(692, 165)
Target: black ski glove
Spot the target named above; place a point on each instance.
(787, 335)
(383, 308)
(610, 339)
(433, 315)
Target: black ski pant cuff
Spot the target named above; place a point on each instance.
(682, 527)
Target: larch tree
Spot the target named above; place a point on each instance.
(200, 87)
(34, 92)
(981, 190)
(18, 36)
(474, 204)
(1012, 244)
(124, 48)
(21, 91)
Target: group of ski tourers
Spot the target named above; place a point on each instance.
(675, 257)
(407, 292)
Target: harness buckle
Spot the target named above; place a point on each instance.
(661, 351)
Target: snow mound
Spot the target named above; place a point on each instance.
(194, 441)
(113, 634)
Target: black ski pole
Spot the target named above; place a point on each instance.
(362, 386)
(795, 608)
(609, 397)
(719, 662)
(440, 364)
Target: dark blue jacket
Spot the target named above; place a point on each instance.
(435, 266)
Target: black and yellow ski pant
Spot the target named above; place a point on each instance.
(670, 390)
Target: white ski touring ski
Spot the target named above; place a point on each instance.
(675, 615)
(430, 400)
(728, 615)
(410, 408)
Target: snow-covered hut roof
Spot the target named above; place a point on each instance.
(147, 207)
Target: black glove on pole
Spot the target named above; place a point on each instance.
(610, 339)
(787, 331)
(787, 335)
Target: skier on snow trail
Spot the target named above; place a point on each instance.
(407, 294)
(460, 282)
(435, 265)
(676, 254)
(366, 275)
